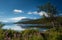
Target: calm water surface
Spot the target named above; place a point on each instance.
(20, 27)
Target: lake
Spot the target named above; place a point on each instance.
(20, 27)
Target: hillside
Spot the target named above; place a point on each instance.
(40, 21)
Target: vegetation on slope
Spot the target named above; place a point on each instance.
(31, 34)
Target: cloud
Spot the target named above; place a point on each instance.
(17, 11)
(5, 21)
(40, 13)
(32, 12)
(15, 19)
(43, 13)
(29, 12)
(35, 12)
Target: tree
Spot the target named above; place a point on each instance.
(1, 25)
(50, 10)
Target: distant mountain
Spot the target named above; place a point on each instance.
(41, 20)
(24, 20)
(29, 21)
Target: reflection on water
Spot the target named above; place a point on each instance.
(13, 27)
(29, 25)
(20, 27)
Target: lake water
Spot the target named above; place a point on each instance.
(20, 27)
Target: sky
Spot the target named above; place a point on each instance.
(15, 10)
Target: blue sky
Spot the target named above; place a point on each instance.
(15, 10)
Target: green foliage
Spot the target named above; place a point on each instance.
(54, 34)
(2, 35)
(49, 9)
(1, 25)
(24, 35)
(31, 35)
